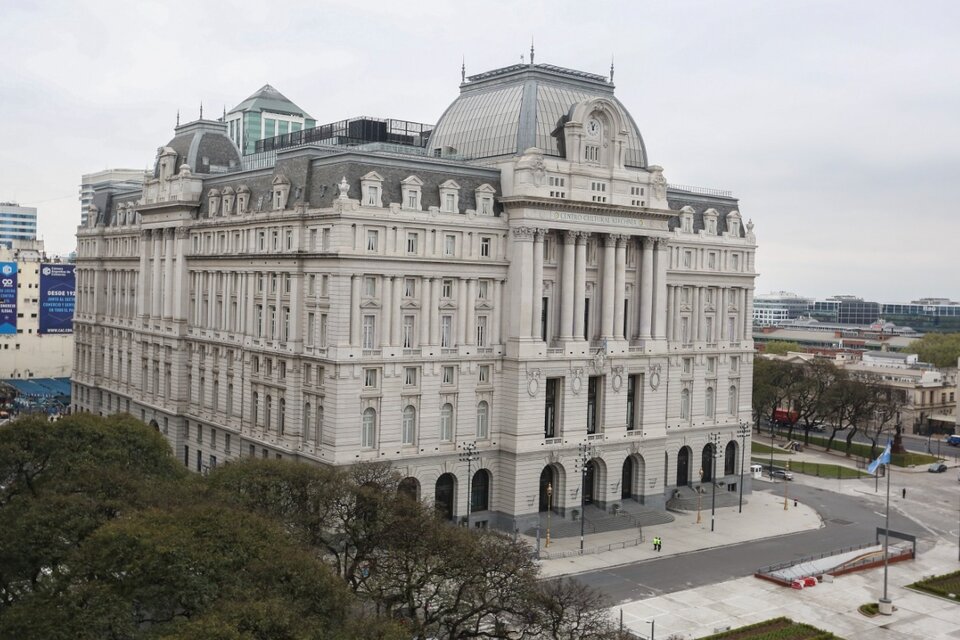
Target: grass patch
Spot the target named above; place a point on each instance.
(817, 469)
(759, 447)
(864, 451)
(775, 629)
(870, 609)
(942, 586)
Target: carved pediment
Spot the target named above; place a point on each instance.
(370, 304)
(448, 305)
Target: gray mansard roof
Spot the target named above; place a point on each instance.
(502, 112)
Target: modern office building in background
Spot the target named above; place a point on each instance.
(265, 114)
(118, 180)
(926, 314)
(512, 300)
(17, 223)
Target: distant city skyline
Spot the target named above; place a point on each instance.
(837, 138)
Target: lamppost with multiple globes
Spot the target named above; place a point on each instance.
(742, 431)
(786, 475)
(468, 454)
(549, 509)
(715, 453)
(586, 455)
(699, 495)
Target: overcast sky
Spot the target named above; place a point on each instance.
(837, 124)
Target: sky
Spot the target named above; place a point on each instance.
(836, 124)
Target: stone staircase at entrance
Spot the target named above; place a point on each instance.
(685, 498)
(630, 516)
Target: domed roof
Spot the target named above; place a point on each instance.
(502, 112)
(205, 146)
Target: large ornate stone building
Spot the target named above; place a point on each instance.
(521, 278)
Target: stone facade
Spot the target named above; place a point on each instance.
(346, 306)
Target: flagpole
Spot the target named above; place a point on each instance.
(885, 605)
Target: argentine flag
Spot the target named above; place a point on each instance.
(883, 459)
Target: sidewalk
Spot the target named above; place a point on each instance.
(699, 612)
(684, 535)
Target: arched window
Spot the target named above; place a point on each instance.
(409, 425)
(685, 404)
(369, 431)
(730, 459)
(446, 422)
(732, 401)
(268, 408)
(256, 408)
(710, 403)
(318, 437)
(282, 416)
(483, 420)
(306, 422)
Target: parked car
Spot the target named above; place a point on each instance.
(953, 440)
(781, 474)
(937, 467)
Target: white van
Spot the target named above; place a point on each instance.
(757, 471)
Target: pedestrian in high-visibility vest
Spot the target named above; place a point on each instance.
(654, 543)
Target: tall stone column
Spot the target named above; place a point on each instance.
(471, 334)
(722, 315)
(155, 309)
(181, 288)
(580, 285)
(354, 311)
(695, 316)
(426, 313)
(619, 287)
(748, 314)
(497, 311)
(537, 284)
(742, 313)
(566, 285)
(145, 246)
(702, 317)
(671, 309)
(386, 308)
(434, 311)
(521, 282)
(646, 289)
(462, 321)
(607, 303)
(168, 274)
(660, 295)
(396, 339)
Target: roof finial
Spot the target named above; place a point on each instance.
(522, 58)
(178, 117)
(611, 68)
(224, 119)
(463, 69)
(201, 109)
(531, 51)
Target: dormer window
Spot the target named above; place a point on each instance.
(243, 198)
(281, 192)
(410, 193)
(228, 198)
(710, 221)
(371, 186)
(484, 196)
(213, 202)
(686, 219)
(733, 224)
(450, 197)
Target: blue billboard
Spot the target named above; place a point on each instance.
(8, 297)
(58, 294)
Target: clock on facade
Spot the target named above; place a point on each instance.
(593, 127)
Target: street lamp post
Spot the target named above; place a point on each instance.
(785, 483)
(586, 454)
(743, 431)
(715, 441)
(549, 509)
(651, 622)
(699, 495)
(468, 454)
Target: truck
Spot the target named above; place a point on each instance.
(953, 441)
(785, 416)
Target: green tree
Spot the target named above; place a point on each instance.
(780, 347)
(939, 349)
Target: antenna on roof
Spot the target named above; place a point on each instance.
(531, 50)
(178, 117)
(611, 68)
(522, 59)
(463, 69)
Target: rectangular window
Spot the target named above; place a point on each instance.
(408, 332)
(634, 400)
(413, 243)
(412, 200)
(482, 331)
(409, 376)
(312, 284)
(735, 258)
(448, 376)
(373, 196)
(369, 332)
(687, 259)
(483, 376)
(288, 239)
(551, 398)
(483, 289)
(324, 282)
(446, 326)
(711, 365)
(446, 291)
(711, 261)
(586, 319)
(450, 202)
(226, 443)
(322, 338)
(370, 287)
(369, 378)
(325, 240)
(544, 314)
(409, 287)
(594, 393)
(687, 366)
(373, 240)
(449, 245)
(485, 244)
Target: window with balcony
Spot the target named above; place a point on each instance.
(594, 399)
(550, 406)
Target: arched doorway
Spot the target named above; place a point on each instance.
(590, 481)
(706, 462)
(156, 427)
(409, 487)
(548, 477)
(730, 459)
(480, 491)
(626, 481)
(683, 467)
(444, 495)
